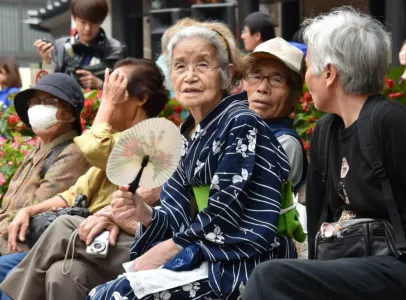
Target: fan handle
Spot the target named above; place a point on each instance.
(134, 185)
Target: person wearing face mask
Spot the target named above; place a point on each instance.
(56, 162)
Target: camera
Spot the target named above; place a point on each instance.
(100, 245)
(46, 41)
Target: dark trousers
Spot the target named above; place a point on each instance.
(369, 278)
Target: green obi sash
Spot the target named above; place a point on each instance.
(288, 224)
(202, 196)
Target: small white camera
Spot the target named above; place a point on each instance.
(100, 245)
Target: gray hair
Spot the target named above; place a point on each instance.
(355, 43)
(212, 37)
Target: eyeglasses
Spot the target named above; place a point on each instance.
(276, 81)
(45, 101)
(202, 68)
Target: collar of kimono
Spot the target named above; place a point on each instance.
(214, 114)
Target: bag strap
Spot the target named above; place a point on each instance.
(368, 144)
(323, 148)
(54, 153)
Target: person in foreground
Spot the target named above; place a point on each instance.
(221, 206)
(133, 93)
(346, 67)
(52, 109)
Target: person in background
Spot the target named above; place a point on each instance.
(274, 85)
(346, 67)
(10, 80)
(258, 28)
(89, 47)
(52, 109)
(134, 92)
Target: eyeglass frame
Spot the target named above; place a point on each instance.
(194, 68)
(42, 101)
(286, 83)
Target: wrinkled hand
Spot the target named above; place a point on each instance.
(88, 79)
(130, 207)
(115, 87)
(150, 196)
(129, 226)
(156, 256)
(18, 228)
(94, 225)
(44, 50)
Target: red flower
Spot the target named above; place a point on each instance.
(390, 83)
(89, 103)
(99, 94)
(178, 108)
(13, 119)
(292, 115)
(305, 107)
(307, 97)
(82, 122)
(397, 95)
(306, 145)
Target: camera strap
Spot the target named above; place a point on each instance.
(72, 241)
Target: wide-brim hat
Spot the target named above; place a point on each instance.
(62, 86)
(279, 49)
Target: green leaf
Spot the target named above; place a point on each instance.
(90, 95)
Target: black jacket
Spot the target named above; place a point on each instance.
(108, 50)
(362, 186)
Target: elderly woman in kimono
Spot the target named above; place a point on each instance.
(221, 207)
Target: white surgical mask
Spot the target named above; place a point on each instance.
(42, 116)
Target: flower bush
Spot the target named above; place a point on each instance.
(306, 115)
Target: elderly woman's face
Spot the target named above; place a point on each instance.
(268, 89)
(196, 73)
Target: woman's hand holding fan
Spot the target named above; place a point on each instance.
(128, 207)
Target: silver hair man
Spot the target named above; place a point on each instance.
(215, 39)
(355, 43)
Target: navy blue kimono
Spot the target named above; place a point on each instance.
(235, 153)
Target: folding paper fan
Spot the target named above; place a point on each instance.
(146, 155)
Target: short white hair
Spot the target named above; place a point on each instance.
(355, 43)
(213, 38)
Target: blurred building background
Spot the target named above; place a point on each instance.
(141, 23)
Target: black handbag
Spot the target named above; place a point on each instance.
(39, 223)
(361, 237)
(356, 238)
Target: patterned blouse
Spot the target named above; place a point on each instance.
(235, 153)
